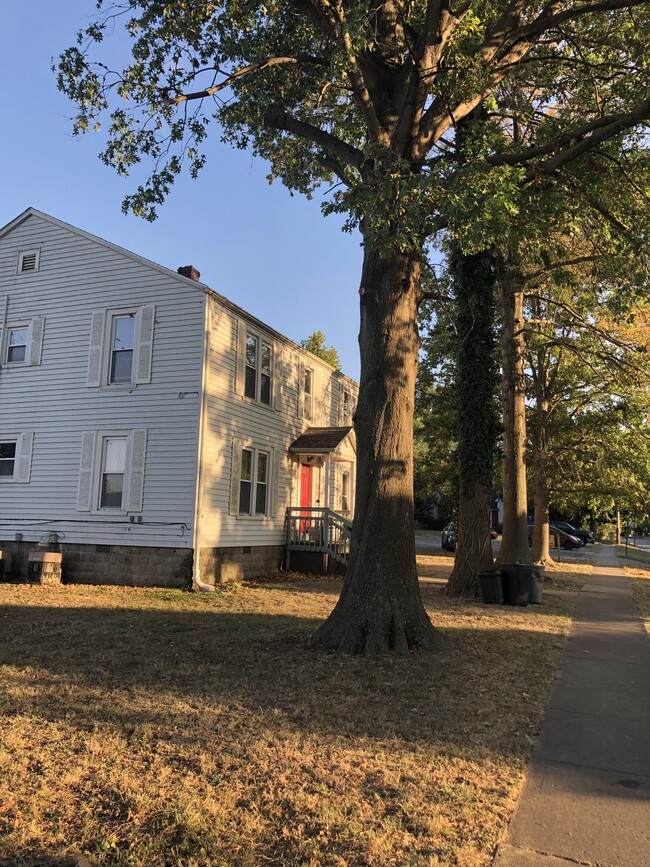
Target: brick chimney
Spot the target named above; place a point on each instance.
(189, 271)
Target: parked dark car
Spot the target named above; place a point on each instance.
(567, 541)
(448, 537)
(584, 535)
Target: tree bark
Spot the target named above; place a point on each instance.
(514, 541)
(380, 608)
(473, 544)
(540, 551)
(474, 283)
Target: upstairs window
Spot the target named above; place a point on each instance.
(346, 407)
(258, 369)
(17, 345)
(250, 387)
(122, 344)
(23, 342)
(308, 394)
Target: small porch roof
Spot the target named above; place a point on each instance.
(319, 440)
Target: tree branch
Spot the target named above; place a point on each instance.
(339, 149)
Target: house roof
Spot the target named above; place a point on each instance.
(319, 440)
(195, 284)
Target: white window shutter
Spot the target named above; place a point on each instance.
(240, 363)
(136, 474)
(276, 459)
(278, 375)
(25, 457)
(4, 302)
(144, 325)
(235, 475)
(36, 329)
(95, 351)
(84, 495)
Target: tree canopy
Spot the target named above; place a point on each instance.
(316, 343)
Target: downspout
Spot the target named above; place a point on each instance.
(197, 583)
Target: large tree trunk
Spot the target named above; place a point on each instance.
(473, 545)
(541, 554)
(474, 281)
(514, 542)
(380, 608)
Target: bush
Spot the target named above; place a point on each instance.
(607, 533)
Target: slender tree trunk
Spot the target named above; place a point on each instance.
(474, 281)
(380, 607)
(618, 525)
(540, 552)
(514, 542)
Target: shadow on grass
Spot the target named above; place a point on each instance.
(88, 663)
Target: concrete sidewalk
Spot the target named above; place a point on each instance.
(586, 797)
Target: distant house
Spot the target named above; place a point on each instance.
(150, 429)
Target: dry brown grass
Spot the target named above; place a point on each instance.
(153, 727)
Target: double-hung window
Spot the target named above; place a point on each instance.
(256, 367)
(345, 492)
(7, 459)
(17, 345)
(346, 407)
(257, 383)
(308, 394)
(254, 482)
(16, 457)
(121, 344)
(23, 342)
(113, 469)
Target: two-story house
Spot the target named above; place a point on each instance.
(150, 429)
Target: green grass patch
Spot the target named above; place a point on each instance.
(154, 727)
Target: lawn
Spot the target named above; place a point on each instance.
(155, 727)
(640, 579)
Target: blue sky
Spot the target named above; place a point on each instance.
(273, 254)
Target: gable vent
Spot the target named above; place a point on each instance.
(28, 261)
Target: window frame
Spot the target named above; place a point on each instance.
(8, 440)
(15, 326)
(308, 396)
(101, 351)
(101, 436)
(261, 373)
(254, 481)
(345, 474)
(346, 413)
(103, 449)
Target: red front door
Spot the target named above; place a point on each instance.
(305, 495)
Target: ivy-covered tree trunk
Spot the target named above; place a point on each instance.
(474, 282)
(514, 541)
(540, 550)
(380, 608)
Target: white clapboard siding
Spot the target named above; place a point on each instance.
(233, 421)
(78, 279)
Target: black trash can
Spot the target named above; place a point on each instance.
(491, 587)
(516, 583)
(537, 585)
